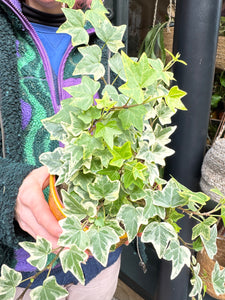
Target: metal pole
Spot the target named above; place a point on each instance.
(195, 38)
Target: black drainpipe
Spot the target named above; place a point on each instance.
(195, 38)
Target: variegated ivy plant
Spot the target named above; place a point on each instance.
(114, 150)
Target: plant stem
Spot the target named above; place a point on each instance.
(48, 267)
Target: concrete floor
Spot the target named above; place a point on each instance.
(123, 292)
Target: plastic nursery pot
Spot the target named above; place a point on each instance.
(207, 265)
(54, 200)
(57, 206)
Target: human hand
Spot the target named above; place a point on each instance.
(32, 211)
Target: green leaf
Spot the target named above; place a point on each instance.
(173, 98)
(116, 65)
(179, 255)
(159, 234)
(104, 188)
(218, 279)
(101, 241)
(90, 64)
(160, 153)
(203, 228)
(151, 210)
(133, 116)
(111, 35)
(162, 135)
(9, 280)
(196, 197)
(196, 282)
(50, 290)
(105, 102)
(89, 115)
(107, 131)
(210, 245)
(38, 251)
(169, 196)
(83, 93)
(52, 160)
(97, 13)
(89, 144)
(71, 260)
(134, 174)
(158, 66)
(72, 206)
(104, 155)
(132, 218)
(164, 113)
(74, 26)
(73, 233)
(120, 154)
(139, 76)
(111, 172)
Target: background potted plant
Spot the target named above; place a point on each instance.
(114, 149)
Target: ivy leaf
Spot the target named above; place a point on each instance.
(169, 196)
(83, 93)
(158, 66)
(111, 35)
(179, 255)
(73, 233)
(97, 13)
(151, 210)
(73, 206)
(111, 172)
(104, 188)
(116, 65)
(203, 228)
(133, 174)
(104, 155)
(120, 154)
(159, 234)
(173, 98)
(133, 116)
(89, 143)
(90, 64)
(74, 26)
(105, 102)
(162, 135)
(9, 280)
(139, 76)
(38, 251)
(50, 290)
(218, 279)
(210, 245)
(153, 172)
(114, 95)
(132, 218)
(160, 153)
(89, 115)
(71, 260)
(196, 282)
(52, 160)
(101, 241)
(107, 131)
(164, 113)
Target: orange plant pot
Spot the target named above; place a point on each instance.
(56, 207)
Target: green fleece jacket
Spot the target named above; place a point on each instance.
(15, 163)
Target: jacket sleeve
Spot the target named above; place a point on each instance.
(11, 177)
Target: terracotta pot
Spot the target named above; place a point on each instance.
(56, 207)
(207, 265)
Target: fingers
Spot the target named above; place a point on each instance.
(32, 211)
